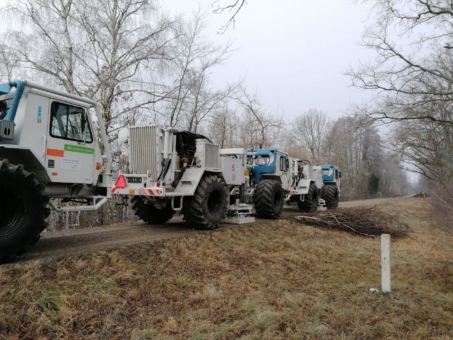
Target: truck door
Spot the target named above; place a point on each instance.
(70, 145)
(284, 172)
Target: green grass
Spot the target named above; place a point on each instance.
(277, 280)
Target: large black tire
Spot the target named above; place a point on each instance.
(149, 213)
(206, 208)
(331, 195)
(23, 210)
(268, 198)
(311, 200)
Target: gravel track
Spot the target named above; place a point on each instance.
(68, 242)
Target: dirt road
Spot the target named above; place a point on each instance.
(85, 240)
(373, 201)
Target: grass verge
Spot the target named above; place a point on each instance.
(276, 280)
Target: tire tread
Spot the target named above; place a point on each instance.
(149, 213)
(329, 193)
(8, 253)
(263, 198)
(311, 200)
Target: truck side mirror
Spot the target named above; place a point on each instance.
(340, 174)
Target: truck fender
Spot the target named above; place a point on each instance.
(190, 180)
(273, 177)
(24, 155)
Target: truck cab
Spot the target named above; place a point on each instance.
(331, 174)
(54, 137)
(270, 164)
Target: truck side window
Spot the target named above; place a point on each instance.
(283, 164)
(70, 122)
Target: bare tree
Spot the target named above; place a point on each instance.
(205, 101)
(412, 73)
(46, 24)
(426, 149)
(412, 81)
(358, 151)
(104, 50)
(259, 128)
(233, 8)
(193, 98)
(126, 48)
(393, 177)
(295, 152)
(223, 127)
(310, 131)
(8, 62)
(345, 153)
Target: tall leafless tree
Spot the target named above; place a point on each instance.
(8, 62)
(107, 50)
(427, 149)
(193, 98)
(259, 128)
(223, 127)
(411, 74)
(412, 81)
(310, 132)
(359, 152)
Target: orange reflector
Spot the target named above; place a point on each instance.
(54, 173)
(121, 182)
(246, 173)
(149, 175)
(98, 165)
(132, 192)
(55, 153)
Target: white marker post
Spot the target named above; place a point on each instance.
(385, 263)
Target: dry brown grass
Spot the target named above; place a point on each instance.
(277, 280)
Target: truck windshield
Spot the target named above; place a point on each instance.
(4, 107)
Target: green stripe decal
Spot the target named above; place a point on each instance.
(79, 149)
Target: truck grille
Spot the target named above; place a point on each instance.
(208, 154)
(212, 156)
(144, 146)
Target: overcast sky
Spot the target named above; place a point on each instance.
(292, 52)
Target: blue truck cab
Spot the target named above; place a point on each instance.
(330, 174)
(331, 177)
(264, 161)
(269, 164)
